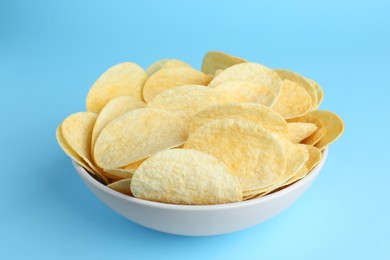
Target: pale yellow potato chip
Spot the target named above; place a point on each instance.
(314, 156)
(164, 64)
(256, 113)
(70, 152)
(316, 135)
(132, 167)
(136, 135)
(244, 91)
(217, 72)
(122, 186)
(254, 155)
(123, 79)
(318, 89)
(184, 176)
(114, 108)
(295, 158)
(118, 174)
(172, 77)
(186, 101)
(252, 72)
(76, 130)
(293, 100)
(332, 126)
(297, 132)
(300, 80)
(214, 61)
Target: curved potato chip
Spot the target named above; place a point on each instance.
(186, 101)
(254, 155)
(70, 152)
(122, 186)
(164, 64)
(136, 135)
(300, 80)
(293, 100)
(332, 126)
(183, 176)
(252, 72)
(215, 60)
(318, 89)
(314, 156)
(244, 91)
(172, 77)
(123, 79)
(316, 135)
(76, 130)
(297, 132)
(255, 113)
(114, 108)
(295, 159)
(118, 174)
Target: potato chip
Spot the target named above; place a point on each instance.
(165, 64)
(123, 79)
(122, 186)
(118, 174)
(252, 72)
(293, 100)
(256, 113)
(244, 91)
(314, 156)
(254, 155)
(295, 159)
(136, 135)
(114, 108)
(316, 135)
(133, 166)
(76, 130)
(70, 152)
(186, 101)
(300, 80)
(172, 77)
(183, 176)
(215, 60)
(332, 126)
(320, 93)
(297, 132)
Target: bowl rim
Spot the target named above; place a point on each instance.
(312, 174)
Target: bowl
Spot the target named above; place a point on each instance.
(205, 220)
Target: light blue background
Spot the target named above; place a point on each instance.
(51, 53)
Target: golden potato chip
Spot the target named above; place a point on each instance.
(122, 186)
(118, 174)
(293, 100)
(332, 126)
(297, 132)
(254, 155)
(244, 91)
(295, 159)
(320, 93)
(123, 79)
(256, 113)
(70, 152)
(252, 72)
(136, 135)
(215, 60)
(132, 167)
(186, 101)
(300, 80)
(314, 156)
(76, 130)
(114, 108)
(164, 64)
(316, 135)
(217, 72)
(184, 176)
(172, 77)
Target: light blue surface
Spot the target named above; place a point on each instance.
(51, 53)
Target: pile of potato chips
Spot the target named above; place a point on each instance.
(234, 131)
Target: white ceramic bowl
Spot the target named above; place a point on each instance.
(200, 220)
